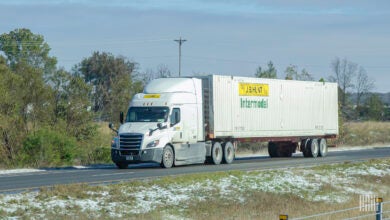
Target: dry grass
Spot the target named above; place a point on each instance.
(365, 133)
(263, 205)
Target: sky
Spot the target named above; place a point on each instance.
(228, 37)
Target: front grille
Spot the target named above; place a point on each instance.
(129, 152)
(130, 141)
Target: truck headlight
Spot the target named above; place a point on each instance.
(153, 143)
(115, 142)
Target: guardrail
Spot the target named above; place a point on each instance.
(378, 203)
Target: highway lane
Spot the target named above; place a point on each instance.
(110, 174)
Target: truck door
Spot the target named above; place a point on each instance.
(176, 124)
(184, 123)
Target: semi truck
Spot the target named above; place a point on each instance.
(191, 120)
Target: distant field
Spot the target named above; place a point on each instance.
(365, 133)
(225, 195)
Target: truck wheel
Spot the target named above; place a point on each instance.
(323, 147)
(228, 152)
(272, 149)
(216, 153)
(304, 147)
(121, 165)
(313, 148)
(168, 157)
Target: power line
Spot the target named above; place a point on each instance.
(111, 42)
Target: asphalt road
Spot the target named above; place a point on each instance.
(110, 174)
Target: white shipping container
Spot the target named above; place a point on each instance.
(243, 107)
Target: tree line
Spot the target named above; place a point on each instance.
(48, 115)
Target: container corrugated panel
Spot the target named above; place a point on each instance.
(256, 107)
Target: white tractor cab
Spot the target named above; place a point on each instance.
(164, 124)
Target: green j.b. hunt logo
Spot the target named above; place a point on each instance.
(248, 103)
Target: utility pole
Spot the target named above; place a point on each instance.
(180, 41)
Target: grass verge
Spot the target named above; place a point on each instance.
(223, 195)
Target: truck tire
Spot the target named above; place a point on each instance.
(228, 152)
(304, 147)
(216, 153)
(121, 165)
(168, 157)
(313, 148)
(323, 147)
(272, 149)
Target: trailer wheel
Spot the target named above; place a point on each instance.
(216, 153)
(121, 165)
(228, 152)
(168, 157)
(305, 147)
(323, 147)
(272, 149)
(313, 148)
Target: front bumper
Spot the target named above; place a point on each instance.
(139, 156)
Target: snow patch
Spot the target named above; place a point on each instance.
(15, 171)
(336, 184)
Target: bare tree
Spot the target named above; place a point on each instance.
(364, 85)
(163, 71)
(344, 72)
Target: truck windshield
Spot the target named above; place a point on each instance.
(147, 114)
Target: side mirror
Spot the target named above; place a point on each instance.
(161, 125)
(111, 126)
(121, 117)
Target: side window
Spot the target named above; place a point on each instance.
(175, 116)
